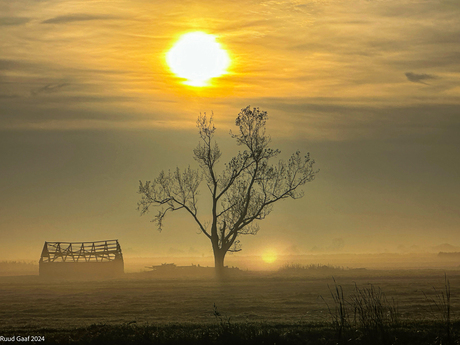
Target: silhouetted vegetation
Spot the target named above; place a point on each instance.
(441, 307)
(18, 267)
(367, 313)
(296, 268)
(409, 333)
(367, 316)
(243, 194)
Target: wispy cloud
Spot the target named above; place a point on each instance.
(419, 78)
(79, 17)
(332, 120)
(18, 65)
(49, 88)
(7, 96)
(10, 21)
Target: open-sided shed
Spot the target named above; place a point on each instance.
(81, 259)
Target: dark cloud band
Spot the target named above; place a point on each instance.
(419, 78)
(76, 18)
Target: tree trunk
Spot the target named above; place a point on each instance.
(219, 256)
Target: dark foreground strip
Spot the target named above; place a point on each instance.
(225, 332)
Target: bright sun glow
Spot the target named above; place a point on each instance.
(269, 256)
(197, 57)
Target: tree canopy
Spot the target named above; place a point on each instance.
(243, 193)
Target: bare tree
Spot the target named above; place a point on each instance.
(244, 192)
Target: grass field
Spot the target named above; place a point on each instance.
(249, 301)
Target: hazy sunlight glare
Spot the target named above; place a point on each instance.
(197, 57)
(269, 256)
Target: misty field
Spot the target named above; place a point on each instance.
(31, 305)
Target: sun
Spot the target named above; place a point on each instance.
(197, 57)
(269, 256)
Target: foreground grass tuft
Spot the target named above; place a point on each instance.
(367, 316)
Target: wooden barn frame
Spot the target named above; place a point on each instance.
(81, 259)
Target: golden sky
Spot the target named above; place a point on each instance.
(88, 107)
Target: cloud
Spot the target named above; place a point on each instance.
(49, 88)
(333, 120)
(76, 18)
(9, 65)
(8, 96)
(10, 21)
(419, 78)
